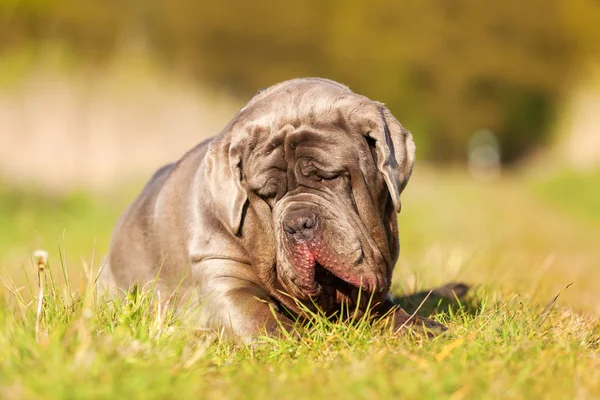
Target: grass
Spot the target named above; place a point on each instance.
(78, 222)
(574, 192)
(512, 337)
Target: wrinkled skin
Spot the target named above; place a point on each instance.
(293, 203)
(348, 239)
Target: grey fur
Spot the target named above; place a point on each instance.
(214, 221)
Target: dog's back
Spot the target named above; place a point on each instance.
(139, 251)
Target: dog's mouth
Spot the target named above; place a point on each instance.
(327, 287)
(327, 279)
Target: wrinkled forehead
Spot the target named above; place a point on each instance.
(294, 109)
(308, 117)
(297, 87)
(324, 131)
(302, 102)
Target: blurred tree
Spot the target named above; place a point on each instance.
(90, 28)
(582, 18)
(445, 68)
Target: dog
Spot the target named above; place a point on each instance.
(292, 207)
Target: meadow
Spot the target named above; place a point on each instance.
(529, 328)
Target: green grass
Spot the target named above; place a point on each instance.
(510, 338)
(78, 222)
(574, 192)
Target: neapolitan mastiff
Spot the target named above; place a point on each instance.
(293, 203)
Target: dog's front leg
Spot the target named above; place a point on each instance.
(233, 303)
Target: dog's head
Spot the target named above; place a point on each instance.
(309, 177)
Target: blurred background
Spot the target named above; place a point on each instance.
(503, 100)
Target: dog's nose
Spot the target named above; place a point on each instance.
(300, 224)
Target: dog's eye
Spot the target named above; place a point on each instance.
(310, 170)
(265, 195)
(327, 176)
(269, 190)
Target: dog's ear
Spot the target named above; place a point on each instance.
(223, 176)
(394, 148)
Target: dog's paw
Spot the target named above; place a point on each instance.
(452, 290)
(427, 326)
(404, 322)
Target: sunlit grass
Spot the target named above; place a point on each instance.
(522, 331)
(575, 192)
(130, 347)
